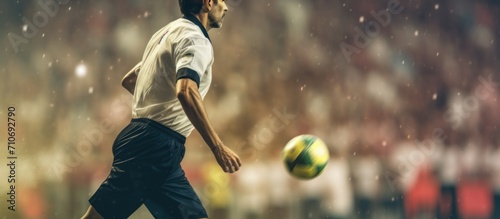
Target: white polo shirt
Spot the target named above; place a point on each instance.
(182, 49)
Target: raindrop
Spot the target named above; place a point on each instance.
(361, 19)
(81, 70)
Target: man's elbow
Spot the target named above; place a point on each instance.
(184, 90)
(128, 81)
(127, 86)
(182, 94)
(124, 82)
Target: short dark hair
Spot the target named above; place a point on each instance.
(192, 6)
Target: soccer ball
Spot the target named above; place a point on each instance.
(305, 156)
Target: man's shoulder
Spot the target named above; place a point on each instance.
(180, 32)
(185, 29)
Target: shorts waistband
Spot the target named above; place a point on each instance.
(162, 128)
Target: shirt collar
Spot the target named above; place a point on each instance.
(195, 20)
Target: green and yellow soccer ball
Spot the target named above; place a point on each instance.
(305, 156)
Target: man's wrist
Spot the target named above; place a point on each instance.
(217, 146)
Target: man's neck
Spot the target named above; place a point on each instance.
(203, 18)
(198, 22)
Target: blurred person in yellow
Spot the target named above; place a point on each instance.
(217, 190)
(168, 85)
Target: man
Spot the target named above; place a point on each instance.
(168, 87)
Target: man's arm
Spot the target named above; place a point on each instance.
(191, 101)
(128, 81)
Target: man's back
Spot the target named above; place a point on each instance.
(180, 44)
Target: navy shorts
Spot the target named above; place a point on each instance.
(146, 170)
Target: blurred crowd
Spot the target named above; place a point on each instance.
(408, 110)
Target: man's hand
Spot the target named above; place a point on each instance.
(227, 159)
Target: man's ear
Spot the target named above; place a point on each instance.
(207, 5)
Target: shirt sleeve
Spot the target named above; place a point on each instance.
(193, 57)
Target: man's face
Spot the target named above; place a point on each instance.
(216, 15)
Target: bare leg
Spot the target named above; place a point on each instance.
(92, 214)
